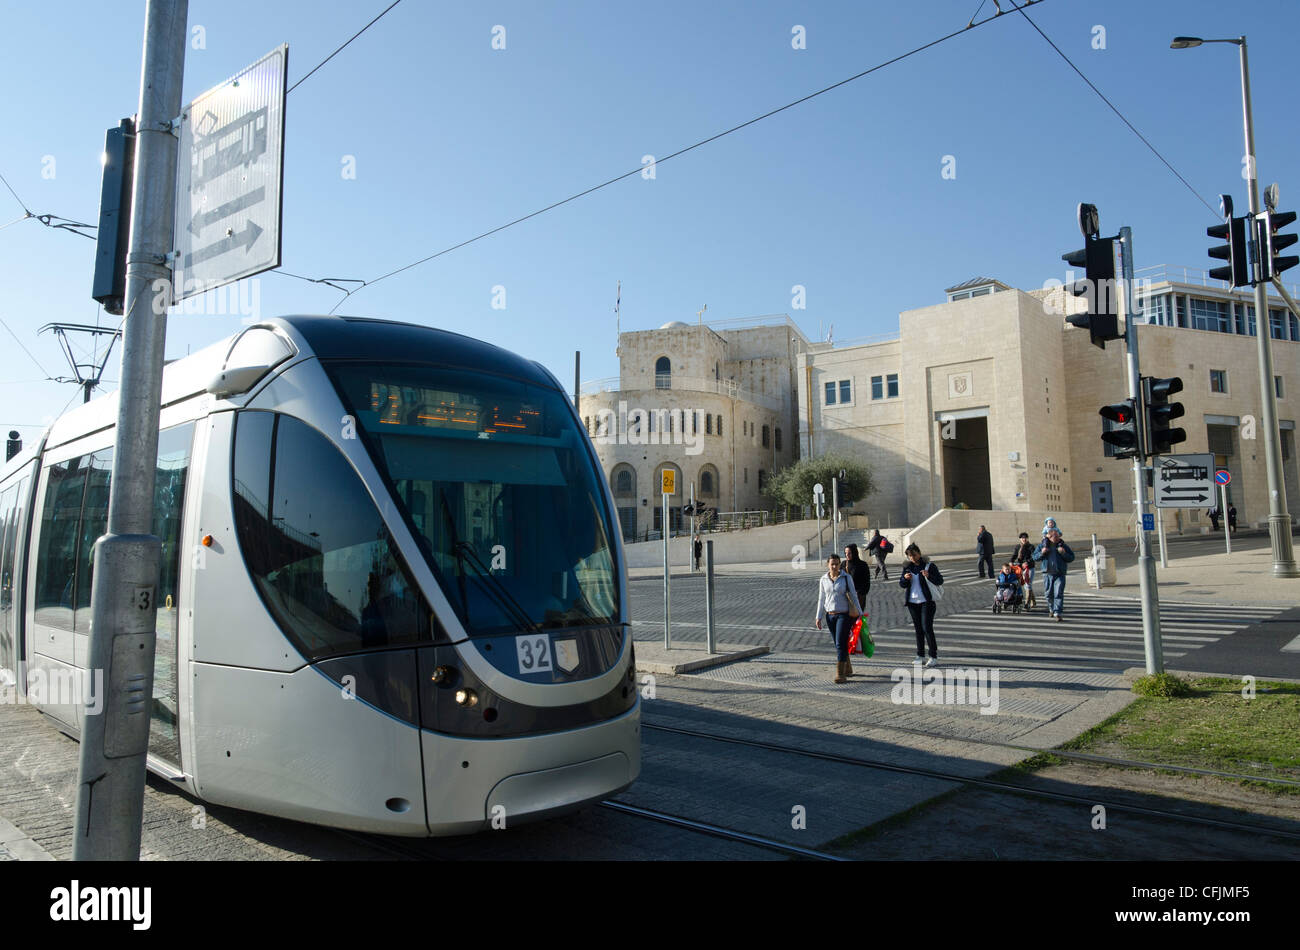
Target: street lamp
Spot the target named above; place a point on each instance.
(1279, 521)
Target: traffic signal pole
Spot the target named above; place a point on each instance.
(1146, 563)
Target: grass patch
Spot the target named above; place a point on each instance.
(1162, 686)
(1213, 727)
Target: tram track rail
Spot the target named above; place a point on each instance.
(718, 831)
(983, 783)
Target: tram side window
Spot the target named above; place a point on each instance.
(168, 505)
(9, 515)
(56, 569)
(321, 556)
(94, 522)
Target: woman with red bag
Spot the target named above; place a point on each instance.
(837, 604)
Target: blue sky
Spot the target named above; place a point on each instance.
(844, 195)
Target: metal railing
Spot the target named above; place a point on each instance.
(698, 384)
(1192, 275)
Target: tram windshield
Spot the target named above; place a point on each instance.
(493, 476)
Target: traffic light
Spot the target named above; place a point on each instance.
(1097, 258)
(1270, 242)
(1161, 436)
(1123, 433)
(1233, 230)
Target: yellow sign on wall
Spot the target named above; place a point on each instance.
(670, 481)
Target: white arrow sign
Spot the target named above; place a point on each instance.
(229, 173)
(1184, 481)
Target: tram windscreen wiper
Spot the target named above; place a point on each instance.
(465, 554)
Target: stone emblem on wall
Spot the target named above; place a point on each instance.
(959, 385)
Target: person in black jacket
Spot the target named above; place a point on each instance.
(857, 569)
(918, 576)
(879, 546)
(984, 548)
(1024, 556)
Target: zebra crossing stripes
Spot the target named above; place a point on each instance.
(1102, 629)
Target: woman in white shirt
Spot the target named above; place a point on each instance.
(837, 604)
(920, 579)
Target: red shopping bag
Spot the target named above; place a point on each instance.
(856, 643)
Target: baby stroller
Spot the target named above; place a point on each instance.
(1010, 594)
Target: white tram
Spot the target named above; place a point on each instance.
(392, 596)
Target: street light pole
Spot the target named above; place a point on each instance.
(1279, 521)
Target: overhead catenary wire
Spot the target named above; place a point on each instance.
(676, 154)
(341, 48)
(25, 350)
(1155, 151)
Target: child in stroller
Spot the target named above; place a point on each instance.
(1008, 590)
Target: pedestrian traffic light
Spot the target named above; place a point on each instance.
(1123, 432)
(1097, 258)
(1270, 242)
(1161, 436)
(1233, 230)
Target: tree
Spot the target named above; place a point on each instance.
(793, 485)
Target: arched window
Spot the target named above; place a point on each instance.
(767, 436)
(663, 373)
(706, 483)
(623, 483)
(778, 438)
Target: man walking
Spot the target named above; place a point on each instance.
(1214, 517)
(1056, 557)
(697, 548)
(984, 548)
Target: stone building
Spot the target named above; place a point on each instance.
(712, 402)
(991, 400)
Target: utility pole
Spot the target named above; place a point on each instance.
(1146, 564)
(114, 743)
(1279, 520)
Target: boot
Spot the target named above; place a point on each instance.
(839, 672)
(848, 667)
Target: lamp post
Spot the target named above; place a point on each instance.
(1279, 521)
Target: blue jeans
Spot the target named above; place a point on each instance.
(841, 628)
(1054, 592)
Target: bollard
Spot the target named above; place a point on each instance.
(709, 643)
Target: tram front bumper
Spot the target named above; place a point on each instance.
(475, 784)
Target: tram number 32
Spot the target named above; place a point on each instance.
(534, 653)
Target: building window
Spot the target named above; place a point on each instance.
(746, 476)
(1277, 324)
(706, 483)
(830, 394)
(891, 383)
(767, 437)
(762, 480)
(778, 439)
(877, 387)
(1209, 315)
(1156, 310)
(719, 425)
(1219, 381)
(1277, 387)
(663, 373)
(846, 390)
(708, 423)
(623, 484)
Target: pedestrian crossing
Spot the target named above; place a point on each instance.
(1100, 629)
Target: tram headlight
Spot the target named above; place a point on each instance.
(466, 697)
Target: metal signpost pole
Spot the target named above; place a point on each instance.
(1160, 523)
(835, 516)
(1146, 564)
(1096, 568)
(710, 643)
(690, 548)
(1223, 513)
(663, 531)
(127, 559)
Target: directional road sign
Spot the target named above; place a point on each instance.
(228, 179)
(1184, 481)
